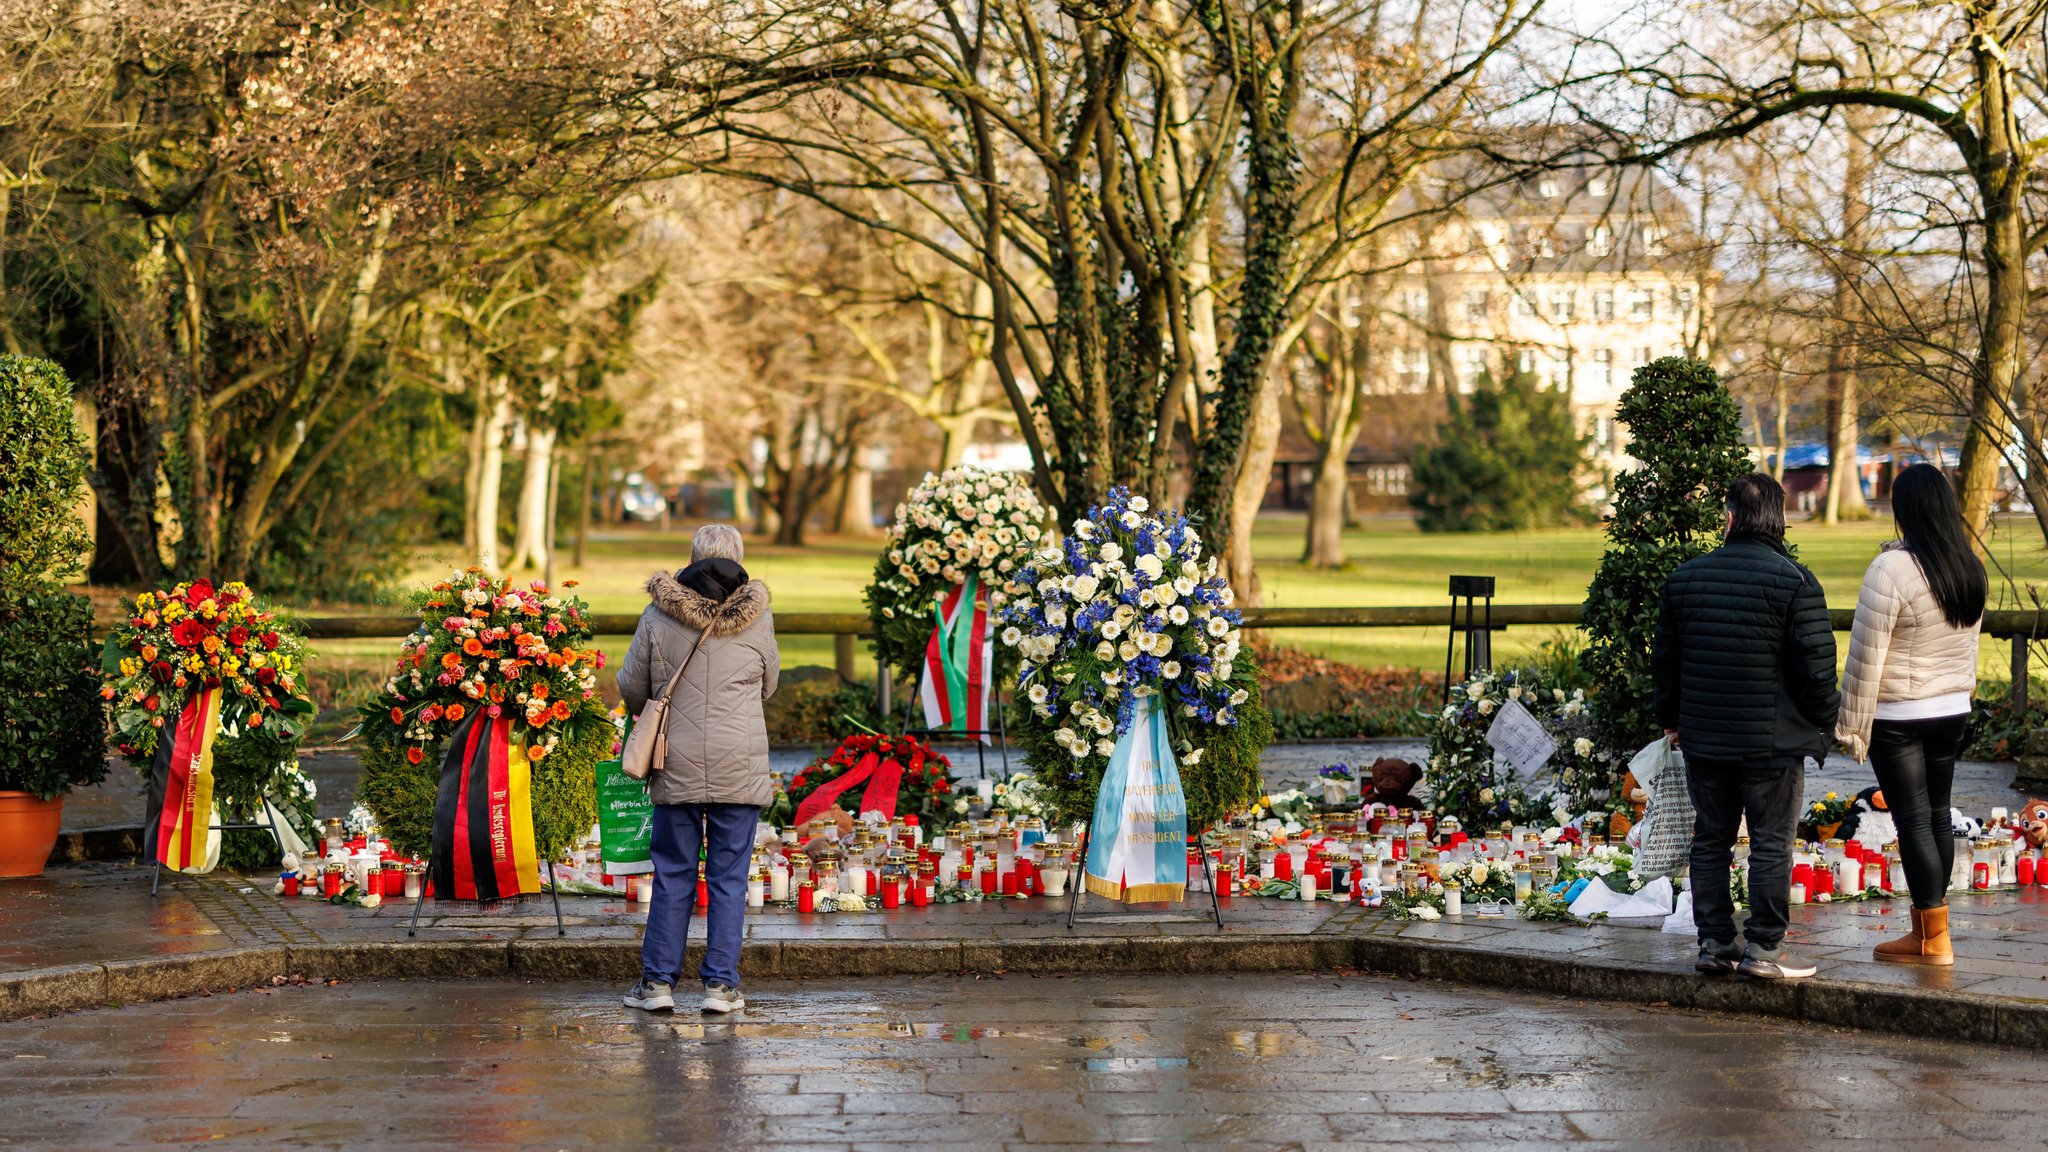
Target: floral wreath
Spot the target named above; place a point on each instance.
(926, 776)
(1127, 607)
(1465, 781)
(962, 521)
(488, 644)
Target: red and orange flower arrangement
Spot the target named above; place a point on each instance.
(197, 636)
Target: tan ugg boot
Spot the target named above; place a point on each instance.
(1927, 943)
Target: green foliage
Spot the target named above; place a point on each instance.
(1507, 457)
(55, 735)
(1686, 432)
(401, 793)
(43, 458)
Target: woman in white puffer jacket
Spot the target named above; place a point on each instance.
(1906, 695)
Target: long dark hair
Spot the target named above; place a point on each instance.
(1925, 505)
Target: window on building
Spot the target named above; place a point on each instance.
(1596, 184)
(1682, 298)
(1542, 243)
(1642, 305)
(1603, 432)
(1644, 355)
(1599, 240)
(1525, 304)
(1603, 367)
(1415, 303)
(1603, 304)
(1387, 479)
(1561, 306)
(1653, 240)
(1475, 305)
(1525, 360)
(1414, 369)
(1471, 364)
(1557, 370)
(1547, 187)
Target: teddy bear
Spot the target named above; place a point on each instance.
(2033, 822)
(1393, 782)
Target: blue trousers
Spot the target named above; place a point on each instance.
(726, 833)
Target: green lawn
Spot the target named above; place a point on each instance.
(1391, 564)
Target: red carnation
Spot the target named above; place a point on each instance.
(238, 636)
(270, 641)
(266, 675)
(797, 783)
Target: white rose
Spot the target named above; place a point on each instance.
(1104, 747)
(1193, 757)
(1084, 587)
(1111, 552)
(1128, 650)
(1105, 651)
(1582, 746)
(1224, 670)
(1149, 566)
(1515, 693)
(1427, 912)
(1486, 795)
(1486, 707)
(1162, 644)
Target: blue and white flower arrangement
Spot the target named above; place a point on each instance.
(1127, 606)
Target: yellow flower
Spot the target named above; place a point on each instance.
(193, 663)
(129, 666)
(146, 600)
(174, 610)
(1831, 796)
(208, 608)
(258, 659)
(230, 666)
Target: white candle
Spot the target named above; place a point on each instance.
(1308, 884)
(756, 891)
(778, 883)
(1798, 893)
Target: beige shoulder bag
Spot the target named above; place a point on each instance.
(647, 744)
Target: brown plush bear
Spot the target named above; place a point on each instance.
(1393, 782)
(2033, 821)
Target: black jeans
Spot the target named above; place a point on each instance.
(1915, 763)
(1722, 794)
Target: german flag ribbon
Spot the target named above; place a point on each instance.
(483, 847)
(185, 819)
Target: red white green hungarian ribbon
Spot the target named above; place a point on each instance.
(957, 663)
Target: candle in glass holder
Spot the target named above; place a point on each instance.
(891, 893)
(1308, 885)
(806, 896)
(415, 880)
(757, 890)
(1454, 899)
(1283, 866)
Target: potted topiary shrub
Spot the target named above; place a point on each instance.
(54, 739)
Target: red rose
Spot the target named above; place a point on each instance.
(188, 633)
(270, 641)
(161, 671)
(797, 783)
(266, 675)
(238, 636)
(150, 703)
(201, 590)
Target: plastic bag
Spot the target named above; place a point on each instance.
(1666, 837)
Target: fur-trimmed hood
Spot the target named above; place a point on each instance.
(687, 606)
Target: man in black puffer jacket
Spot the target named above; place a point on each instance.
(1745, 675)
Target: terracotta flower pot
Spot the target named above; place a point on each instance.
(28, 831)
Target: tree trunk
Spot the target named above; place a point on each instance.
(583, 508)
(743, 497)
(1326, 510)
(1261, 440)
(490, 481)
(529, 539)
(1845, 482)
(480, 424)
(1997, 384)
(1778, 463)
(856, 516)
(792, 509)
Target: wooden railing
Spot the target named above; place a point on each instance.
(848, 628)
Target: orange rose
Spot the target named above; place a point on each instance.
(256, 721)
(414, 754)
(451, 660)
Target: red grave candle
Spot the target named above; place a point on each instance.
(1283, 865)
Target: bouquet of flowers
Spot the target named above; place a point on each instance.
(964, 521)
(488, 645)
(198, 636)
(1479, 880)
(1127, 606)
(922, 778)
(193, 636)
(1463, 779)
(1823, 817)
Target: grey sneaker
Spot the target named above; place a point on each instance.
(1772, 964)
(650, 996)
(723, 998)
(1717, 959)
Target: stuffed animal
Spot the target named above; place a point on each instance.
(1869, 821)
(1967, 827)
(1393, 782)
(2033, 822)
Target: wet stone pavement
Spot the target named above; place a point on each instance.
(1266, 1062)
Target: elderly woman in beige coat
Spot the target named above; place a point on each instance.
(1906, 695)
(711, 622)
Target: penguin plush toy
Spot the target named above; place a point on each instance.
(1869, 821)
